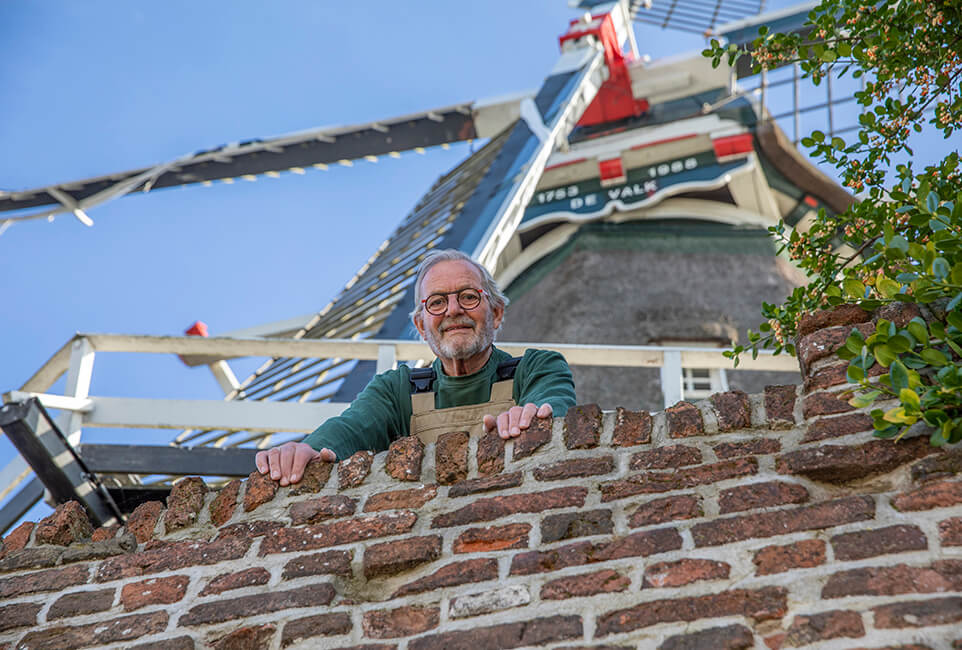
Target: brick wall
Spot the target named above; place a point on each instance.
(764, 521)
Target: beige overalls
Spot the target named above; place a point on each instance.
(427, 422)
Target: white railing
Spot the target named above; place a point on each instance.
(79, 408)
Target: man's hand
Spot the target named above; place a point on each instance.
(512, 422)
(286, 463)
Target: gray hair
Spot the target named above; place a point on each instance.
(491, 289)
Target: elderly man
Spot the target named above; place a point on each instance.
(458, 309)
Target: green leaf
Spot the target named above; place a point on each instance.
(844, 49)
(900, 243)
(853, 287)
(887, 286)
(934, 357)
(899, 344)
(955, 319)
(864, 399)
(935, 417)
(954, 302)
(916, 328)
(854, 373)
(937, 329)
(932, 202)
(899, 374)
(884, 355)
(910, 399)
(940, 268)
(838, 143)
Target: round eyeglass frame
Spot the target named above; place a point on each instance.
(458, 293)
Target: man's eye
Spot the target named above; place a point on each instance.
(435, 302)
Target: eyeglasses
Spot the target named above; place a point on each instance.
(437, 303)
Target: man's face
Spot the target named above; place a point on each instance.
(457, 333)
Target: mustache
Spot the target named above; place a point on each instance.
(463, 321)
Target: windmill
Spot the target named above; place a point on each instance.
(610, 148)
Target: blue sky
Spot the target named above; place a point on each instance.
(104, 86)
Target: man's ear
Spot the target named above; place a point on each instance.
(498, 314)
(416, 319)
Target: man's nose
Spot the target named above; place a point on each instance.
(454, 307)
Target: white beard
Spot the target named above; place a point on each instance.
(462, 348)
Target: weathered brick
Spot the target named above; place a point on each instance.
(143, 520)
(641, 544)
(950, 531)
(492, 538)
(919, 613)
(823, 626)
(945, 575)
(732, 409)
(843, 463)
(658, 511)
(535, 632)
(451, 457)
(330, 506)
(654, 482)
(31, 557)
(756, 447)
(171, 556)
(402, 621)
(832, 317)
(684, 572)
(684, 420)
(309, 627)
(68, 523)
(326, 563)
(176, 643)
(404, 457)
(825, 342)
(780, 406)
(80, 602)
(413, 498)
(486, 602)
(316, 475)
(569, 525)
(391, 558)
(577, 468)
(731, 637)
(305, 538)
(252, 637)
(17, 538)
(153, 591)
(822, 403)
(836, 427)
(490, 454)
(316, 595)
(91, 550)
(222, 506)
(537, 435)
(261, 488)
(782, 522)
(589, 584)
(502, 506)
(948, 462)
(665, 457)
(934, 495)
(236, 580)
(249, 529)
(583, 427)
(800, 555)
(184, 503)
(353, 471)
(49, 580)
(125, 628)
(485, 484)
(450, 575)
(761, 604)
(862, 544)
(19, 615)
(761, 495)
(631, 428)
(899, 313)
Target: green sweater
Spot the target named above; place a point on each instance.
(382, 412)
